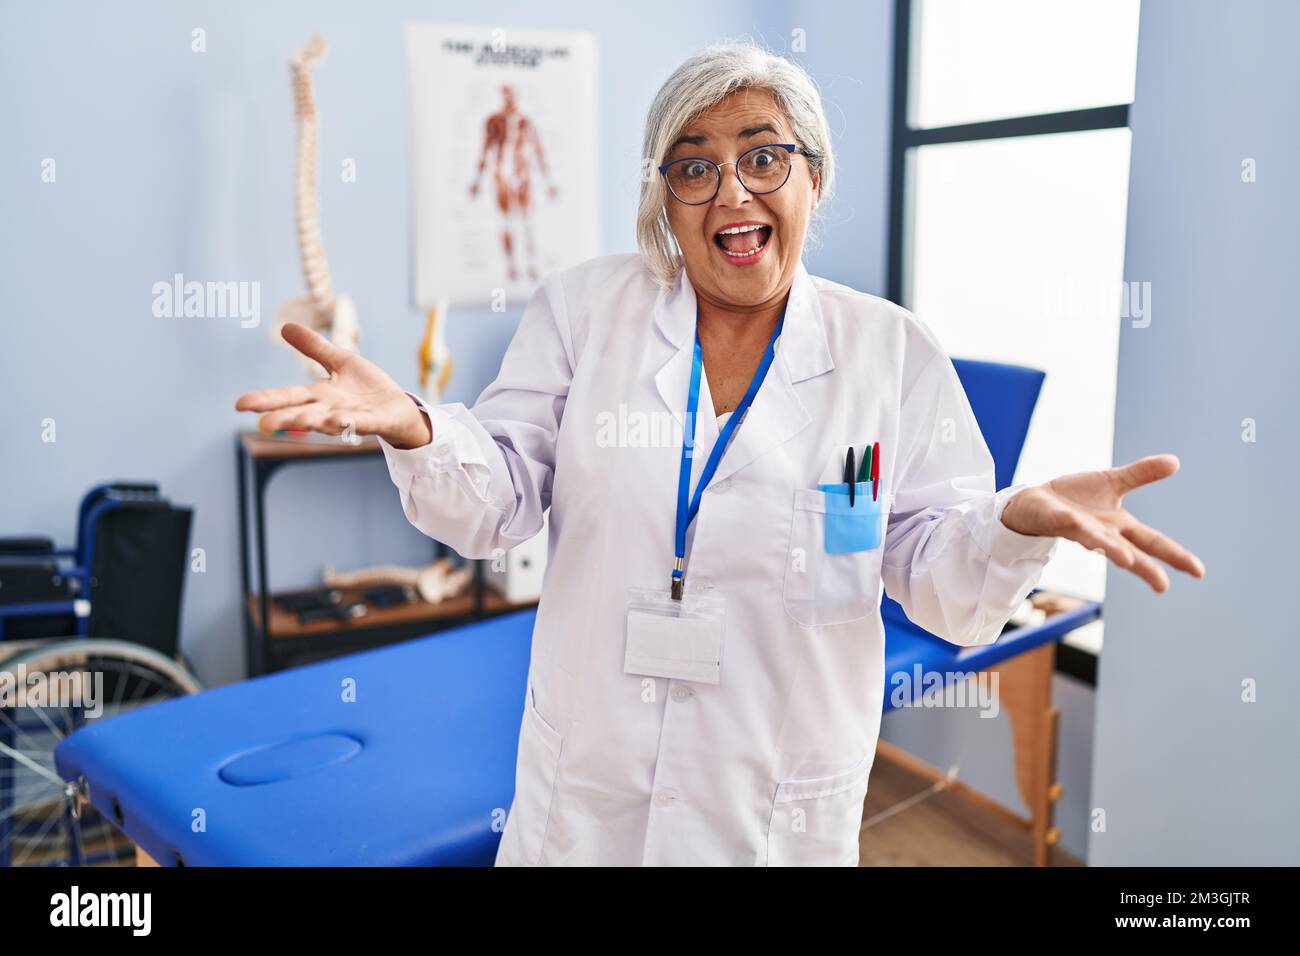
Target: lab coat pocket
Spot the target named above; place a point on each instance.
(832, 573)
(817, 821)
(539, 759)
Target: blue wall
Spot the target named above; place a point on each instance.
(170, 161)
(1185, 771)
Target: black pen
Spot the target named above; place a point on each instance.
(848, 474)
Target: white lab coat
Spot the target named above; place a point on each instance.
(769, 766)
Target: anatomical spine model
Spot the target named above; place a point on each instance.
(334, 316)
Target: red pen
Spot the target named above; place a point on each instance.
(875, 470)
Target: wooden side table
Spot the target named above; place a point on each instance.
(273, 637)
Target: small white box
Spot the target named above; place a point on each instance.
(517, 574)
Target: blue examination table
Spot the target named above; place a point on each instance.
(417, 769)
(289, 770)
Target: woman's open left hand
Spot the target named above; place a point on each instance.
(1087, 507)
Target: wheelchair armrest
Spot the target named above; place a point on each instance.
(24, 546)
(135, 487)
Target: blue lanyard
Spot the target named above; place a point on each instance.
(688, 505)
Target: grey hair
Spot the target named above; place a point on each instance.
(695, 87)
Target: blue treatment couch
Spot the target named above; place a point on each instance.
(286, 771)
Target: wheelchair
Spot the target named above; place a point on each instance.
(86, 634)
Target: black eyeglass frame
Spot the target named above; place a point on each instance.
(790, 148)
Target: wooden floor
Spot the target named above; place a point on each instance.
(941, 830)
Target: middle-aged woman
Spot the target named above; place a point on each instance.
(708, 662)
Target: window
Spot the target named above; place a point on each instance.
(1007, 212)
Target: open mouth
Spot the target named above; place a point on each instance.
(743, 242)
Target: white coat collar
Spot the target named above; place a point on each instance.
(777, 414)
(803, 350)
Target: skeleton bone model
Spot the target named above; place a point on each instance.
(434, 583)
(334, 316)
(434, 358)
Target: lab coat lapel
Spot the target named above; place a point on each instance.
(674, 316)
(778, 413)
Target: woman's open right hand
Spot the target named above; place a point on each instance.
(358, 394)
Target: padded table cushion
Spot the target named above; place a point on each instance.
(418, 771)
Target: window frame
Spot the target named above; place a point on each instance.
(905, 139)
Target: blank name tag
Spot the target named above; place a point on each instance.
(681, 640)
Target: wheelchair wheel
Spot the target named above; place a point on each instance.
(43, 820)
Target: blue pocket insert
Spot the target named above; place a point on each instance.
(856, 528)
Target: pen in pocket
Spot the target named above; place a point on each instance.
(869, 470)
(875, 469)
(848, 474)
(864, 472)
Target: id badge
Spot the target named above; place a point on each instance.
(675, 639)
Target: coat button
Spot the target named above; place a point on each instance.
(663, 799)
(681, 693)
(723, 486)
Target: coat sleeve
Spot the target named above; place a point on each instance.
(483, 484)
(951, 563)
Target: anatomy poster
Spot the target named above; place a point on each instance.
(504, 139)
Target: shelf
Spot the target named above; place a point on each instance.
(282, 641)
(285, 624)
(261, 447)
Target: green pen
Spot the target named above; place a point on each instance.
(864, 473)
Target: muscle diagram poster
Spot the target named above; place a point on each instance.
(504, 159)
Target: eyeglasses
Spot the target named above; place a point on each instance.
(762, 169)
